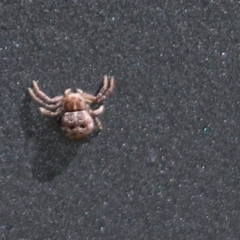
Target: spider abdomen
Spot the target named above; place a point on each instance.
(76, 125)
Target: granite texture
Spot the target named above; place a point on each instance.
(166, 165)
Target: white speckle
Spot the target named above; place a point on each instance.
(224, 55)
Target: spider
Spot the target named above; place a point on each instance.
(74, 109)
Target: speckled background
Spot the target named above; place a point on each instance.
(166, 165)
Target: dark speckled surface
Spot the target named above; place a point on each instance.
(166, 165)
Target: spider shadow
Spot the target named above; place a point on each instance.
(53, 151)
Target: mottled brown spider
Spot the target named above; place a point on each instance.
(74, 109)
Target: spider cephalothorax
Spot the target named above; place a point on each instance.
(74, 108)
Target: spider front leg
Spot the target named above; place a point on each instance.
(41, 98)
(106, 90)
(87, 97)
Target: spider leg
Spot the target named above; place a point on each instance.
(104, 85)
(41, 102)
(95, 113)
(41, 95)
(98, 122)
(110, 88)
(51, 114)
(98, 111)
(67, 91)
(80, 91)
(106, 90)
(87, 97)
